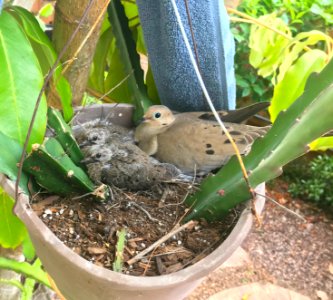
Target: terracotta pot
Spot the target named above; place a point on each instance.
(79, 279)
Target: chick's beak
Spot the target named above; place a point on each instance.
(87, 160)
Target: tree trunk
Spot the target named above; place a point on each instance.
(67, 16)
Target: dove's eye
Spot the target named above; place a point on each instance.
(98, 155)
(94, 138)
(157, 115)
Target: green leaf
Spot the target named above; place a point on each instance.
(268, 47)
(10, 154)
(28, 248)
(46, 55)
(55, 171)
(292, 85)
(322, 144)
(117, 81)
(130, 57)
(97, 77)
(46, 11)
(31, 271)
(20, 82)
(12, 230)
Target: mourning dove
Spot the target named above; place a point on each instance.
(126, 166)
(92, 133)
(192, 141)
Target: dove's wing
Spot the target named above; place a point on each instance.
(202, 145)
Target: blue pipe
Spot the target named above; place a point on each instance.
(173, 73)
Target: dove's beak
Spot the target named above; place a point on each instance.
(84, 143)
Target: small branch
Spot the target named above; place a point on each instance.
(146, 212)
(160, 241)
(283, 207)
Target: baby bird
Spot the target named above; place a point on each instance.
(100, 133)
(193, 142)
(126, 166)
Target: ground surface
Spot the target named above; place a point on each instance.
(285, 251)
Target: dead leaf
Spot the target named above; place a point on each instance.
(96, 250)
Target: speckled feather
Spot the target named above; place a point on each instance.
(190, 141)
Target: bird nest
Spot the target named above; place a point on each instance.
(91, 228)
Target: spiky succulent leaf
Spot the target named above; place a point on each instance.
(55, 171)
(64, 135)
(309, 117)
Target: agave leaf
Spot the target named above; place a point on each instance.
(309, 117)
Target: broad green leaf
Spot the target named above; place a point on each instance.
(129, 57)
(117, 81)
(20, 82)
(268, 47)
(322, 144)
(292, 85)
(97, 73)
(10, 153)
(12, 230)
(46, 55)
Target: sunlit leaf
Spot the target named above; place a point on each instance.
(322, 144)
(20, 82)
(292, 85)
(46, 55)
(12, 230)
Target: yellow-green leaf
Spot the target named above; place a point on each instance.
(292, 85)
(322, 144)
(12, 230)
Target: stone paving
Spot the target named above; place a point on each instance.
(212, 288)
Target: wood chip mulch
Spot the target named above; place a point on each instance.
(90, 228)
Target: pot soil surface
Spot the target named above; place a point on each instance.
(90, 228)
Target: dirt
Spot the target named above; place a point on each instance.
(286, 250)
(92, 228)
(298, 254)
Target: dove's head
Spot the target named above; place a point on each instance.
(94, 136)
(96, 153)
(156, 120)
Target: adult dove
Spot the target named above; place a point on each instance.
(192, 141)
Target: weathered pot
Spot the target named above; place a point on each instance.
(79, 279)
